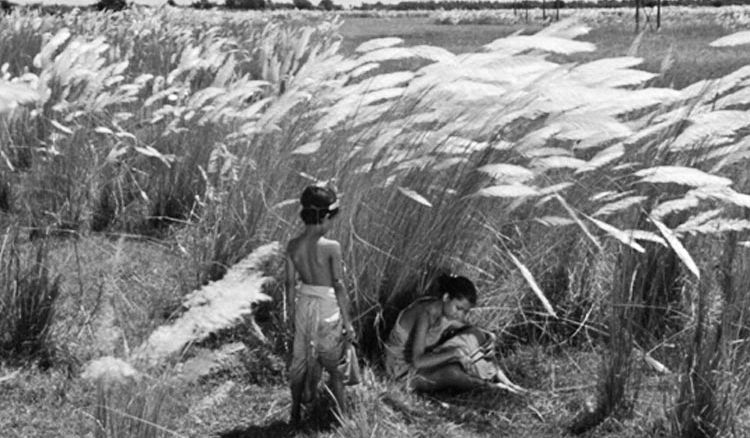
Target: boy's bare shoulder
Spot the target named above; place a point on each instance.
(330, 244)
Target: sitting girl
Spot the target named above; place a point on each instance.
(434, 348)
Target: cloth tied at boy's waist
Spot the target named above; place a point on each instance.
(315, 291)
(318, 329)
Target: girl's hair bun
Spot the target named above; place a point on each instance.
(457, 287)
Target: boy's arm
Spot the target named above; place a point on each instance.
(290, 282)
(338, 286)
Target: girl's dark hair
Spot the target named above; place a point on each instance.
(317, 204)
(457, 287)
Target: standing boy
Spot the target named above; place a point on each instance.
(319, 305)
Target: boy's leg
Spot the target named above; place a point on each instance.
(297, 385)
(336, 385)
(297, 375)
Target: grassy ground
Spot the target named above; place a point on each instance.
(248, 398)
(114, 293)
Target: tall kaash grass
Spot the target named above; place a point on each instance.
(106, 144)
(492, 163)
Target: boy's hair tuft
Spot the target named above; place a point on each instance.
(317, 204)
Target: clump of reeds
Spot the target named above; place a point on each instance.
(375, 411)
(127, 411)
(28, 294)
(615, 374)
(127, 403)
(715, 385)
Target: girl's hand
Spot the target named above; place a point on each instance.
(462, 359)
(466, 362)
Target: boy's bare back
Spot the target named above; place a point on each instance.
(315, 260)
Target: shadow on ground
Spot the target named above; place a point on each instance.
(320, 418)
(274, 430)
(480, 410)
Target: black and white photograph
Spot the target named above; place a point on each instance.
(375, 218)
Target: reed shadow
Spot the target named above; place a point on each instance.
(278, 429)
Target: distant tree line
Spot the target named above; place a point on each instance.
(6, 6)
(532, 4)
(116, 5)
(326, 5)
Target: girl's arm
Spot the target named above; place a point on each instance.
(419, 358)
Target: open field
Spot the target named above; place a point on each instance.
(682, 37)
(599, 202)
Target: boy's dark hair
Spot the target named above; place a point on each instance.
(457, 287)
(317, 204)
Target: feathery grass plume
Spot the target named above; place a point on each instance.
(532, 283)
(519, 43)
(307, 148)
(681, 175)
(216, 306)
(14, 94)
(711, 129)
(675, 205)
(578, 221)
(619, 205)
(380, 43)
(740, 98)
(618, 234)
(699, 219)
(508, 191)
(647, 236)
(205, 362)
(502, 172)
(677, 246)
(735, 39)
(109, 369)
(411, 194)
(554, 221)
(714, 226)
